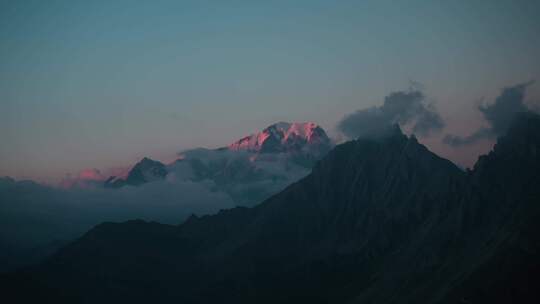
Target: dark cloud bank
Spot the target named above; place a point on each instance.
(498, 115)
(411, 109)
(406, 108)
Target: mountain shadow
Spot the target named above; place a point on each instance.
(377, 221)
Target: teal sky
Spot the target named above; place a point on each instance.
(103, 83)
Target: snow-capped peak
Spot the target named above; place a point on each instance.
(284, 137)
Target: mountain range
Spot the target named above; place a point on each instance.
(380, 220)
(249, 169)
(36, 219)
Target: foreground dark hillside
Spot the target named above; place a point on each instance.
(377, 221)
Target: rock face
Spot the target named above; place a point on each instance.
(286, 137)
(146, 170)
(377, 221)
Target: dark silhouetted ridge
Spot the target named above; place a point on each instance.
(377, 221)
(146, 170)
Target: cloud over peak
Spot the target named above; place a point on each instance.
(403, 107)
(498, 115)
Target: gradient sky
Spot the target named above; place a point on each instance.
(103, 83)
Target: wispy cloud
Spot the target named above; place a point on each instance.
(498, 115)
(403, 107)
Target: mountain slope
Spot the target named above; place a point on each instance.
(248, 170)
(377, 221)
(145, 171)
(285, 137)
(35, 219)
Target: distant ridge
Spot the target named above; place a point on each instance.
(300, 144)
(377, 221)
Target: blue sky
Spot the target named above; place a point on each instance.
(103, 83)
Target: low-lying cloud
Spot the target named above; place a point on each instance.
(34, 216)
(498, 115)
(406, 108)
(203, 181)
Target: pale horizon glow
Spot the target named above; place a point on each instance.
(102, 84)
